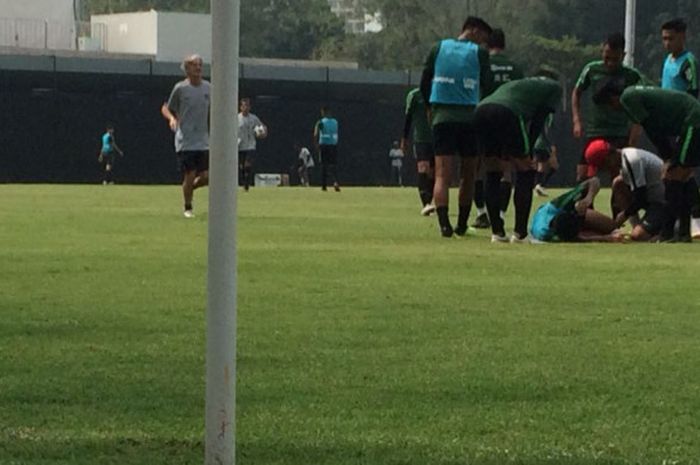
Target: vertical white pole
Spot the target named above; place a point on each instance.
(630, 30)
(221, 283)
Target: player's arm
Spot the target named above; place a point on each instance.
(116, 147)
(426, 81)
(485, 73)
(408, 121)
(593, 187)
(689, 71)
(581, 85)
(170, 116)
(317, 131)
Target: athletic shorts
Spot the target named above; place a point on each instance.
(541, 155)
(455, 139)
(107, 158)
(616, 142)
(687, 153)
(501, 132)
(654, 218)
(245, 156)
(193, 160)
(329, 154)
(424, 151)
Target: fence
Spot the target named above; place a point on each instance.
(52, 35)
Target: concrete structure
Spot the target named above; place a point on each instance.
(165, 36)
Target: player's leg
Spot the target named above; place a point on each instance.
(505, 189)
(108, 173)
(469, 152)
(242, 155)
(188, 191)
(248, 171)
(446, 147)
(522, 196)
(202, 170)
(482, 218)
(425, 165)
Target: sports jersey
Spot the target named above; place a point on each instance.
(601, 117)
(681, 73)
(503, 70)
(662, 112)
(543, 144)
(416, 115)
(542, 219)
(443, 112)
(527, 97)
(107, 143)
(305, 157)
(327, 131)
(643, 169)
(246, 131)
(190, 104)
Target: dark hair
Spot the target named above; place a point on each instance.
(566, 226)
(109, 126)
(677, 25)
(497, 39)
(616, 41)
(474, 22)
(326, 109)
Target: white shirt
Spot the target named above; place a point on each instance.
(306, 158)
(246, 131)
(643, 169)
(396, 155)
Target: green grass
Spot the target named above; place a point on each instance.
(363, 337)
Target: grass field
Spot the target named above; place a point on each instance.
(363, 337)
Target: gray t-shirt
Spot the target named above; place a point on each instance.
(190, 104)
(641, 168)
(246, 131)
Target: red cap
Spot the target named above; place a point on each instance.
(596, 153)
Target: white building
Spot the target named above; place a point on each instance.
(166, 36)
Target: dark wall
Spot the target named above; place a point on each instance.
(52, 122)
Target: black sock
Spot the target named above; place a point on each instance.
(674, 207)
(464, 211)
(443, 218)
(492, 187)
(108, 176)
(188, 206)
(479, 194)
(693, 197)
(549, 175)
(324, 176)
(424, 190)
(539, 180)
(522, 199)
(504, 195)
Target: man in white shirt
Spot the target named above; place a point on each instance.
(396, 155)
(250, 128)
(640, 187)
(306, 162)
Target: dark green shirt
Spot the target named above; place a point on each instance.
(543, 144)
(417, 116)
(601, 116)
(662, 112)
(503, 70)
(453, 113)
(527, 97)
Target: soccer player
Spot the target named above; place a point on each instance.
(671, 120)
(503, 70)
(106, 157)
(680, 70)
(571, 218)
(416, 116)
(680, 73)
(545, 153)
(396, 157)
(187, 113)
(507, 121)
(640, 187)
(305, 163)
(604, 118)
(250, 129)
(454, 73)
(326, 137)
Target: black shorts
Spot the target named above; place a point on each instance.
(107, 158)
(687, 153)
(616, 142)
(455, 139)
(329, 154)
(501, 132)
(541, 155)
(246, 156)
(193, 160)
(424, 151)
(654, 218)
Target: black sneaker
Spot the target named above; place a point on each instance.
(446, 231)
(482, 222)
(461, 230)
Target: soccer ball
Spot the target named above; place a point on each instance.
(260, 131)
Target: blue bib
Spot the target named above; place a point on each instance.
(672, 77)
(541, 228)
(107, 143)
(457, 73)
(328, 132)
